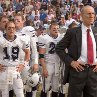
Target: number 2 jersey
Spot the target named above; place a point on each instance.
(10, 50)
(49, 43)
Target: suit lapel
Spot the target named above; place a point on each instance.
(79, 40)
(95, 35)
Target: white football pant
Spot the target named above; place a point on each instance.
(52, 79)
(17, 87)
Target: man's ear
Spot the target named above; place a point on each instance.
(95, 16)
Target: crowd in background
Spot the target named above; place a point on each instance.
(42, 12)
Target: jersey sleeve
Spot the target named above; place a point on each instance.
(42, 41)
(26, 42)
(34, 52)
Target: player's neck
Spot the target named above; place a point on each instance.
(53, 36)
(19, 29)
(10, 38)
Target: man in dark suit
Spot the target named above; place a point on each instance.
(80, 61)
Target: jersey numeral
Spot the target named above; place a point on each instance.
(14, 53)
(52, 48)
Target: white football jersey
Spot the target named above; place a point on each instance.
(10, 50)
(1, 33)
(49, 43)
(31, 36)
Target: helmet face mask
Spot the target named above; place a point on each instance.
(33, 79)
(31, 82)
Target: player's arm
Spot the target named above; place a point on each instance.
(42, 61)
(26, 49)
(2, 68)
(42, 51)
(26, 60)
(27, 55)
(34, 54)
(41, 57)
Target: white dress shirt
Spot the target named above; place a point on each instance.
(83, 57)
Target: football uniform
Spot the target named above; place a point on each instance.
(51, 59)
(29, 33)
(31, 36)
(1, 33)
(10, 58)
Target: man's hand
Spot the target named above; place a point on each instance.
(45, 72)
(20, 67)
(2, 68)
(76, 66)
(95, 69)
(35, 67)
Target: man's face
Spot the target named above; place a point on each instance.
(40, 31)
(3, 23)
(19, 22)
(10, 29)
(88, 16)
(54, 30)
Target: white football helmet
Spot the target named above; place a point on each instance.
(28, 30)
(33, 79)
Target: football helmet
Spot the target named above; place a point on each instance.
(33, 79)
(29, 30)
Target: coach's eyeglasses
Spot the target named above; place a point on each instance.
(9, 28)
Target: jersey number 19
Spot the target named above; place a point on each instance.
(13, 55)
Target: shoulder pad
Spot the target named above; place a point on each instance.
(43, 34)
(23, 34)
(33, 35)
(31, 30)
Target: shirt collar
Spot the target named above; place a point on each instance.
(85, 28)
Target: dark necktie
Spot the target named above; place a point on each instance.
(90, 54)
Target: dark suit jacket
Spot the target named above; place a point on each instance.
(72, 41)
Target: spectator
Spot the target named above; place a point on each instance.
(1, 10)
(69, 19)
(43, 15)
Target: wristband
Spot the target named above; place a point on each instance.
(25, 63)
(41, 56)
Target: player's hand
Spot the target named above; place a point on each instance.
(20, 67)
(95, 69)
(45, 72)
(2, 68)
(76, 66)
(35, 67)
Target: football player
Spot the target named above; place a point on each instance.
(11, 46)
(3, 21)
(30, 33)
(49, 60)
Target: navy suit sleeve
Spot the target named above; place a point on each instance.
(62, 45)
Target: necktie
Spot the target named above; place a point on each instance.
(90, 54)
